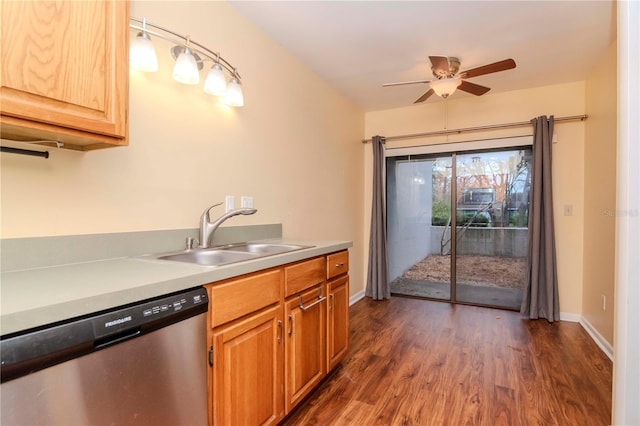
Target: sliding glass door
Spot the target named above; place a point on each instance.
(418, 208)
(478, 254)
(492, 207)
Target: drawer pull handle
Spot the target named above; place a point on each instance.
(331, 302)
(339, 265)
(279, 331)
(318, 300)
(305, 308)
(290, 325)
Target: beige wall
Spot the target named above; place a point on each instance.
(294, 147)
(463, 110)
(600, 195)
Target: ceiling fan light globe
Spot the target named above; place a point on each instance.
(445, 87)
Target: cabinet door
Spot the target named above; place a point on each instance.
(305, 354)
(247, 371)
(337, 321)
(65, 69)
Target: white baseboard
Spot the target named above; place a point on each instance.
(597, 337)
(591, 330)
(353, 299)
(565, 316)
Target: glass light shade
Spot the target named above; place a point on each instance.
(234, 96)
(142, 54)
(216, 82)
(185, 70)
(446, 86)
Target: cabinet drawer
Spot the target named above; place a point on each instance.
(303, 275)
(337, 264)
(235, 298)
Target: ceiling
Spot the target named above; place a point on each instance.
(358, 45)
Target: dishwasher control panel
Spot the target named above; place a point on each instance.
(175, 305)
(147, 313)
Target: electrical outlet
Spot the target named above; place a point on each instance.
(604, 302)
(230, 203)
(246, 202)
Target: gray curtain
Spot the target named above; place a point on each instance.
(541, 293)
(378, 286)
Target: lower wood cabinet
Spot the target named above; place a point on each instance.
(305, 357)
(337, 321)
(247, 371)
(274, 335)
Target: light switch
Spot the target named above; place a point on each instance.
(246, 202)
(230, 203)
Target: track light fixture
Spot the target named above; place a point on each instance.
(186, 70)
(190, 57)
(142, 54)
(234, 96)
(216, 82)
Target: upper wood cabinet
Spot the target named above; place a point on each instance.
(65, 72)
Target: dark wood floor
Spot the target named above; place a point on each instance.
(416, 362)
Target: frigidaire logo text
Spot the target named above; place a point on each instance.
(118, 321)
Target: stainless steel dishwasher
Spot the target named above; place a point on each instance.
(140, 364)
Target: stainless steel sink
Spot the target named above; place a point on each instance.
(263, 249)
(224, 255)
(208, 257)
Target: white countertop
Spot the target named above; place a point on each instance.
(36, 297)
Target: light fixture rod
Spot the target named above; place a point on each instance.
(182, 40)
(20, 151)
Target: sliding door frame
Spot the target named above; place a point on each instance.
(453, 149)
(453, 234)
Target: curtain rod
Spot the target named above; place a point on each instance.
(475, 129)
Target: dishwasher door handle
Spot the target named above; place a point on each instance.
(116, 338)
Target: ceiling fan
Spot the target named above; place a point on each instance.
(448, 79)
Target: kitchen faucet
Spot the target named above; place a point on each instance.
(207, 228)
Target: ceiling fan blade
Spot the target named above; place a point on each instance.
(439, 65)
(474, 89)
(424, 97)
(507, 64)
(405, 82)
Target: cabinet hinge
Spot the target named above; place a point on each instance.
(211, 355)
